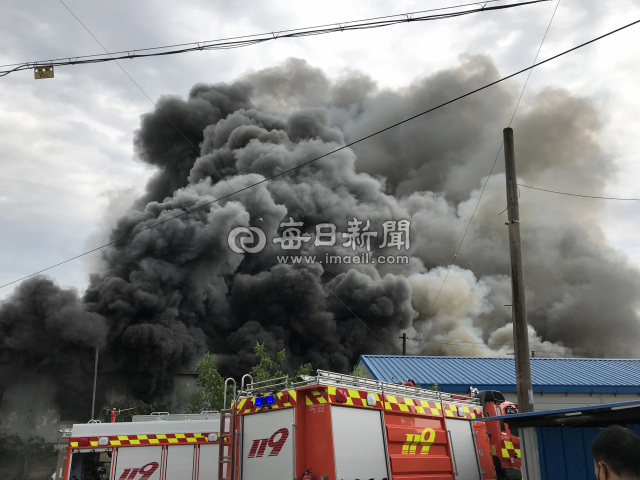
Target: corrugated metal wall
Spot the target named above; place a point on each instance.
(565, 452)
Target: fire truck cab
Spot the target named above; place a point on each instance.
(151, 447)
(327, 427)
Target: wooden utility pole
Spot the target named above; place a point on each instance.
(404, 343)
(518, 311)
(95, 381)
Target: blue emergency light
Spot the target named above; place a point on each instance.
(260, 401)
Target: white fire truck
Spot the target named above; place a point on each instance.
(327, 427)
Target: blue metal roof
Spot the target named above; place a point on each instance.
(457, 374)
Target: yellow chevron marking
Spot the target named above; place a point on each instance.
(505, 453)
(508, 445)
(112, 442)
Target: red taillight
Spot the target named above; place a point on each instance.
(341, 395)
(285, 397)
(83, 442)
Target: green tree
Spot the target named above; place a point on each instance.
(210, 384)
(268, 368)
(210, 393)
(15, 451)
(358, 371)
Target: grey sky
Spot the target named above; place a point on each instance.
(67, 142)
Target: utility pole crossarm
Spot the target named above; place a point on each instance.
(518, 311)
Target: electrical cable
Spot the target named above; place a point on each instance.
(204, 42)
(284, 172)
(484, 187)
(583, 196)
(198, 152)
(248, 40)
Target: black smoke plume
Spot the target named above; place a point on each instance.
(175, 291)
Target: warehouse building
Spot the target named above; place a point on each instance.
(557, 382)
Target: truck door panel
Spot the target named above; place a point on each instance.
(138, 463)
(464, 450)
(358, 443)
(208, 462)
(179, 462)
(267, 445)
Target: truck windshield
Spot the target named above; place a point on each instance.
(90, 466)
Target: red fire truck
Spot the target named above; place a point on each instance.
(327, 427)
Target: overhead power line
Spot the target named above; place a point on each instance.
(248, 40)
(578, 195)
(348, 145)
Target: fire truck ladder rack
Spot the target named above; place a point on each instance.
(324, 377)
(228, 439)
(340, 380)
(266, 386)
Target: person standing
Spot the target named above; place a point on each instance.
(616, 454)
